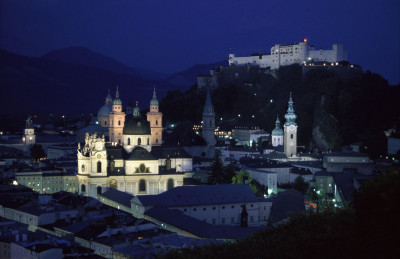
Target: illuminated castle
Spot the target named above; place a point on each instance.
(284, 55)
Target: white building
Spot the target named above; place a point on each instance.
(214, 204)
(284, 55)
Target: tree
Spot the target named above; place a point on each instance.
(300, 184)
(253, 145)
(217, 173)
(238, 178)
(37, 152)
(229, 172)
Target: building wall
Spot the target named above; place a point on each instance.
(290, 140)
(155, 184)
(269, 179)
(284, 55)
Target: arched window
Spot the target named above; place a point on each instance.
(148, 141)
(98, 189)
(119, 142)
(291, 136)
(156, 122)
(156, 140)
(139, 141)
(105, 123)
(99, 167)
(129, 141)
(83, 168)
(170, 184)
(142, 185)
(83, 188)
(119, 123)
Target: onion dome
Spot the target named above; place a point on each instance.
(290, 116)
(117, 101)
(277, 131)
(154, 101)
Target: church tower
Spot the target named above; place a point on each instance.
(209, 122)
(277, 134)
(290, 131)
(29, 138)
(117, 120)
(154, 117)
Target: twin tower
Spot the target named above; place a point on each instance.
(111, 116)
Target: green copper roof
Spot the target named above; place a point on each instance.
(277, 131)
(154, 101)
(117, 101)
(290, 116)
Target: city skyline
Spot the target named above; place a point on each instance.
(172, 36)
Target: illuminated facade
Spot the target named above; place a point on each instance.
(284, 55)
(133, 161)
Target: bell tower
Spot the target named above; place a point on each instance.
(290, 131)
(154, 117)
(29, 137)
(208, 122)
(117, 120)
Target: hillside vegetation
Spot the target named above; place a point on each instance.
(332, 111)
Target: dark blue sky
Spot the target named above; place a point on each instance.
(169, 36)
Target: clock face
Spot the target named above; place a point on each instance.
(291, 127)
(99, 156)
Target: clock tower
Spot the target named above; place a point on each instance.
(290, 131)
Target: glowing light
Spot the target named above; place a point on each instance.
(304, 40)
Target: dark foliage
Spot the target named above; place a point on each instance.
(344, 109)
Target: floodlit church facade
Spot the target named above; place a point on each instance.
(133, 159)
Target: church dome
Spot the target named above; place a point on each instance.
(277, 132)
(136, 126)
(154, 102)
(104, 111)
(117, 101)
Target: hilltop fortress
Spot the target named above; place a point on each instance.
(303, 54)
(284, 55)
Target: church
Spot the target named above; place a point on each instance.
(132, 160)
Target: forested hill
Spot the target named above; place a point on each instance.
(332, 111)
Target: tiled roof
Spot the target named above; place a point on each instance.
(201, 195)
(199, 228)
(172, 152)
(118, 196)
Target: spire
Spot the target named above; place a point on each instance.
(154, 93)
(208, 107)
(136, 110)
(117, 94)
(117, 101)
(290, 116)
(154, 101)
(108, 98)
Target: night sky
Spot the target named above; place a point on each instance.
(170, 36)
